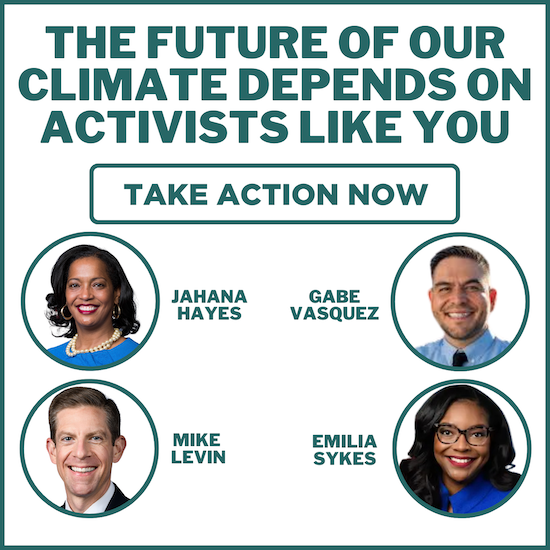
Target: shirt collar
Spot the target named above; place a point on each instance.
(475, 350)
(468, 497)
(99, 506)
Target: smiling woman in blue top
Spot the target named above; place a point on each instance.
(462, 454)
(94, 301)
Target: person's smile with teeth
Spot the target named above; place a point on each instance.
(459, 315)
(461, 300)
(91, 297)
(460, 461)
(84, 453)
(86, 309)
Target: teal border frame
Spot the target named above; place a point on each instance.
(5, 3)
(452, 383)
(74, 236)
(446, 236)
(276, 2)
(279, 222)
(76, 383)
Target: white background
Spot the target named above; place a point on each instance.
(268, 383)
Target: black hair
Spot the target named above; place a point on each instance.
(126, 322)
(459, 251)
(422, 472)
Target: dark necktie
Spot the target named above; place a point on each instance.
(459, 358)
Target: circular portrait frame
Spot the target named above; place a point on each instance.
(131, 249)
(394, 291)
(446, 383)
(56, 390)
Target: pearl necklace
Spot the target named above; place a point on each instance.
(71, 351)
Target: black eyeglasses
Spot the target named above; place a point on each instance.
(475, 436)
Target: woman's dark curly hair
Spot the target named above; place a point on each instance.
(127, 322)
(422, 472)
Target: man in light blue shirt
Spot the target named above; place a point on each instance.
(462, 299)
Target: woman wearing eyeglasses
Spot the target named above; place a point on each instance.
(462, 454)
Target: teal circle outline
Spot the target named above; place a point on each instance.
(446, 236)
(74, 236)
(451, 383)
(24, 433)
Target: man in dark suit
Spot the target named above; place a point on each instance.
(84, 443)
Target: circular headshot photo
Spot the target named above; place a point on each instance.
(99, 301)
(89, 448)
(461, 449)
(460, 301)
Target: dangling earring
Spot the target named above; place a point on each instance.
(61, 312)
(116, 311)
